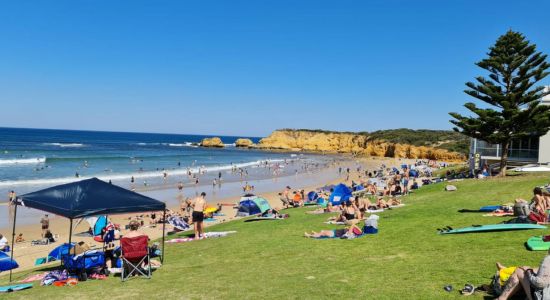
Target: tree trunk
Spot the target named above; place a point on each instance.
(504, 159)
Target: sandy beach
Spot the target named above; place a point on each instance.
(26, 254)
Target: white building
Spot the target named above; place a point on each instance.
(528, 150)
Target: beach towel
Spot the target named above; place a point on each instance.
(263, 219)
(499, 214)
(207, 235)
(178, 223)
(335, 222)
(344, 237)
(35, 277)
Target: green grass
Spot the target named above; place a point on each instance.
(406, 259)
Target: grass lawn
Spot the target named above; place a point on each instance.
(271, 259)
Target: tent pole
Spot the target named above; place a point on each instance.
(71, 234)
(13, 231)
(163, 228)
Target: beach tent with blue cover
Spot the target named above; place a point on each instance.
(7, 263)
(252, 205)
(58, 252)
(97, 224)
(87, 198)
(312, 196)
(341, 194)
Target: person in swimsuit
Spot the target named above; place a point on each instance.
(336, 233)
(535, 282)
(45, 223)
(198, 214)
(350, 210)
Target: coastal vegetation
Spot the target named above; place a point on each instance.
(271, 260)
(513, 99)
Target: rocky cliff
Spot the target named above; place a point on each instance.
(212, 142)
(355, 143)
(243, 142)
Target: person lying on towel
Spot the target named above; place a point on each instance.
(348, 232)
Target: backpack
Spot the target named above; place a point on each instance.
(496, 288)
(521, 209)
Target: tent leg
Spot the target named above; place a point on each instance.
(71, 234)
(163, 228)
(13, 232)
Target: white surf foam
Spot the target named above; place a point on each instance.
(126, 176)
(16, 161)
(65, 145)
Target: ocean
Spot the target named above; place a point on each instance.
(31, 159)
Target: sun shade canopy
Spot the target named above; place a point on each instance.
(89, 197)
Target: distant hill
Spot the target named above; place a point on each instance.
(442, 139)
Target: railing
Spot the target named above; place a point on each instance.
(513, 154)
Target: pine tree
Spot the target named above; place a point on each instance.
(514, 110)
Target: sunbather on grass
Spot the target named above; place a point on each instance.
(534, 281)
(328, 209)
(336, 233)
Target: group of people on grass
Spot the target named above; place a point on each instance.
(289, 198)
(534, 282)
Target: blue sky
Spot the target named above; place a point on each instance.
(248, 67)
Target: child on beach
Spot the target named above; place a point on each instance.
(45, 224)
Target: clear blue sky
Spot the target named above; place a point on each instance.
(248, 67)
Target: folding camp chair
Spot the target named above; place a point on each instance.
(135, 252)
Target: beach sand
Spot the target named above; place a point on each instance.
(25, 254)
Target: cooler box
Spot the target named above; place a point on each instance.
(86, 261)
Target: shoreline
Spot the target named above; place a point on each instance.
(25, 254)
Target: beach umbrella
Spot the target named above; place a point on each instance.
(6, 263)
(58, 252)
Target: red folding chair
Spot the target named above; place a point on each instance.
(134, 253)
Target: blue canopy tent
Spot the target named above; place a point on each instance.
(90, 197)
(341, 194)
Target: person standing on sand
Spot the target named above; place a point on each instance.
(199, 204)
(286, 193)
(11, 196)
(45, 222)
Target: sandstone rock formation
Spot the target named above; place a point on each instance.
(243, 143)
(344, 142)
(212, 142)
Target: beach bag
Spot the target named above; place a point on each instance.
(500, 279)
(538, 217)
(521, 209)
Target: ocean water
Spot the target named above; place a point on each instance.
(31, 159)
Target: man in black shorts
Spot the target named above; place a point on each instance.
(198, 215)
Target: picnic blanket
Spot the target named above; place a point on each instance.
(213, 234)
